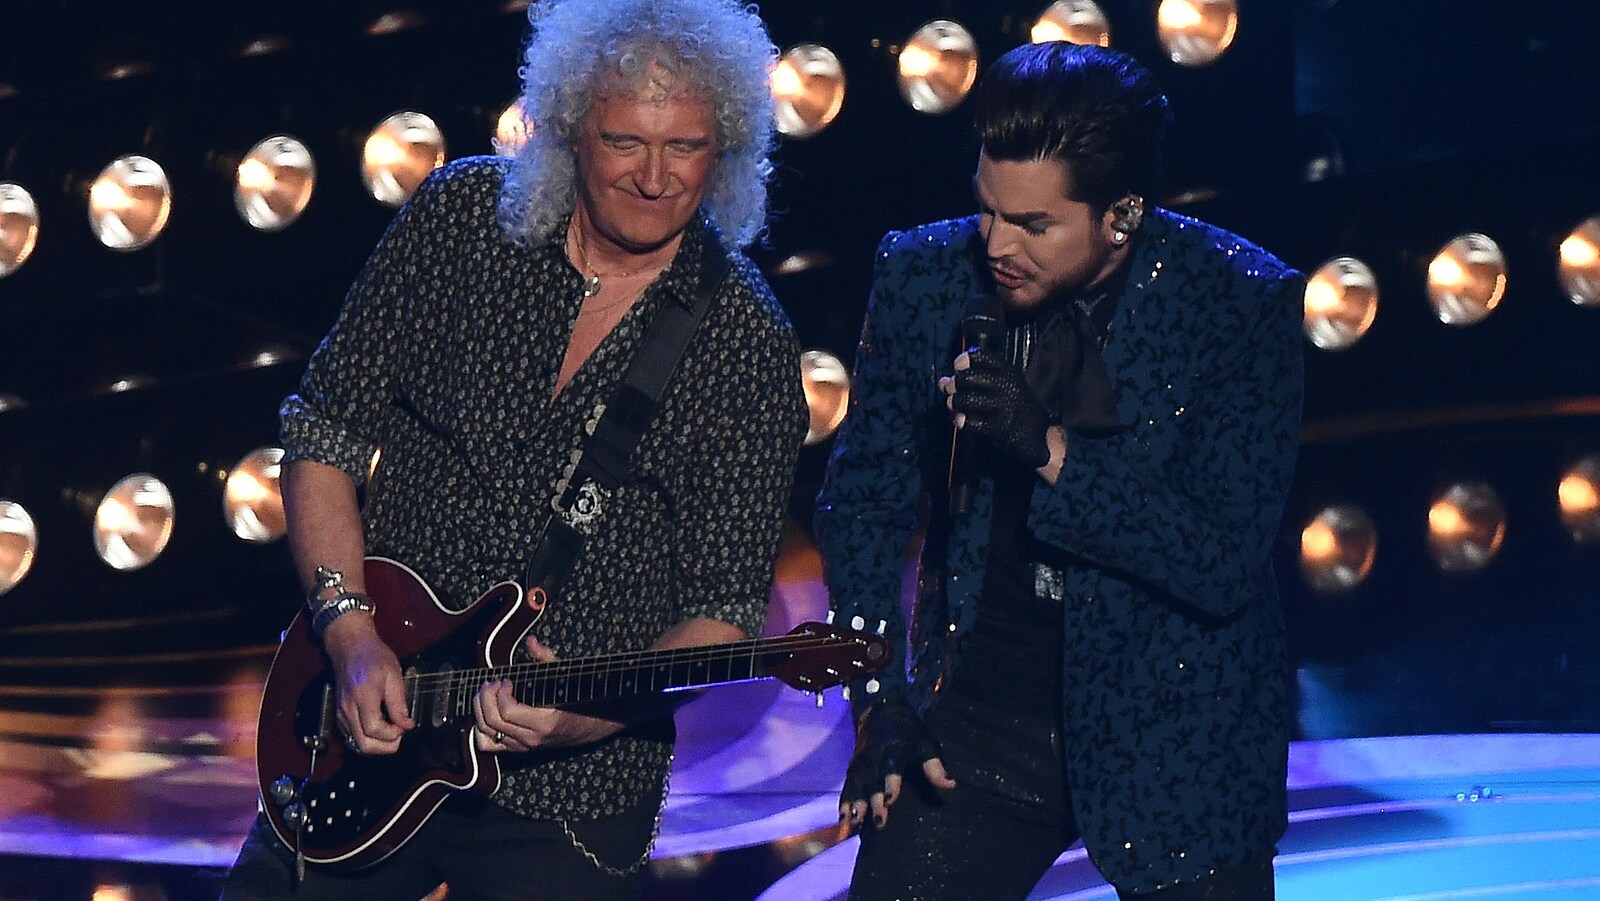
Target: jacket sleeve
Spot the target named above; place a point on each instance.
(867, 510)
(1199, 528)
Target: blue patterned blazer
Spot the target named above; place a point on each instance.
(1175, 708)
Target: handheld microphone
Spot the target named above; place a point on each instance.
(982, 331)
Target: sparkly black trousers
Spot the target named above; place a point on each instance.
(1009, 817)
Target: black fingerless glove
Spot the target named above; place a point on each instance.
(890, 737)
(999, 405)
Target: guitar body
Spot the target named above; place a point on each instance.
(356, 809)
(347, 811)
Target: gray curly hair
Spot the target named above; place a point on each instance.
(717, 49)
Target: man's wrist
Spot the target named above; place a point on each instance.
(338, 606)
(1055, 440)
(345, 632)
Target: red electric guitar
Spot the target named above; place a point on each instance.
(347, 810)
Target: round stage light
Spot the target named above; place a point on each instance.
(1466, 525)
(938, 66)
(19, 227)
(1580, 264)
(511, 130)
(399, 154)
(252, 503)
(1075, 21)
(807, 90)
(262, 45)
(1341, 301)
(1579, 495)
(19, 541)
(129, 203)
(1467, 279)
(1337, 549)
(827, 386)
(133, 522)
(394, 22)
(274, 182)
(803, 261)
(1196, 32)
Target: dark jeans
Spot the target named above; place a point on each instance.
(483, 851)
(1008, 819)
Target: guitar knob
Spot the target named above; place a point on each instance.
(283, 790)
(294, 816)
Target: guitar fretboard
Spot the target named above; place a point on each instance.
(443, 696)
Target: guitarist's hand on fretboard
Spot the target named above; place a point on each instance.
(369, 689)
(506, 724)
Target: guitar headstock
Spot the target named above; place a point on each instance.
(814, 656)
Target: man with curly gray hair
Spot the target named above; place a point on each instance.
(486, 335)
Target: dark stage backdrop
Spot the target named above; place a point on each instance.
(1362, 128)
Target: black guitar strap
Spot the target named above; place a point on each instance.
(595, 473)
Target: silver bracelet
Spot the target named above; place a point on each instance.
(323, 580)
(337, 606)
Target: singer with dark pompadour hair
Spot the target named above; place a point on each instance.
(1091, 404)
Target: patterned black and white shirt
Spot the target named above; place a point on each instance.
(445, 357)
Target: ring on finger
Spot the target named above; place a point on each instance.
(499, 737)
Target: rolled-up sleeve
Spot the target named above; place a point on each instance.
(333, 417)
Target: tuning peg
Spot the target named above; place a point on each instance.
(845, 693)
(829, 620)
(819, 700)
(883, 626)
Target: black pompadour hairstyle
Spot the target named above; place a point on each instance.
(1097, 111)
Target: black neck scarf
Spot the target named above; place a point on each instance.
(1060, 351)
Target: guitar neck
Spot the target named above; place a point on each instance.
(608, 677)
(629, 675)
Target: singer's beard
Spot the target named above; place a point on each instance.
(1034, 310)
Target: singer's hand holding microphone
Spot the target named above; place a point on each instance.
(991, 398)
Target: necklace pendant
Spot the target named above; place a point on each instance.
(591, 286)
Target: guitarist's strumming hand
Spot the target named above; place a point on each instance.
(506, 724)
(369, 686)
